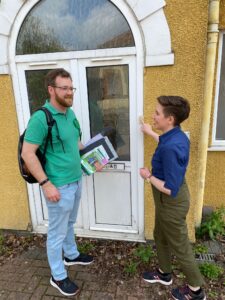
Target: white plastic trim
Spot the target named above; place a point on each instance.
(4, 69)
(160, 60)
(146, 18)
(3, 50)
(216, 148)
(157, 38)
(144, 8)
(217, 144)
(5, 24)
(11, 8)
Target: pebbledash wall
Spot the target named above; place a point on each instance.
(188, 27)
(14, 209)
(215, 174)
(174, 36)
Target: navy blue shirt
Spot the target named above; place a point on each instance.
(170, 160)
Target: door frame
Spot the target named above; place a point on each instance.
(51, 60)
(141, 53)
(44, 61)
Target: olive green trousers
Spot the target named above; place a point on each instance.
(171, 234)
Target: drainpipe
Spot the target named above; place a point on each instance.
(211, 53)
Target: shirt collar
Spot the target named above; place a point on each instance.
(52, 109)
(165, 136)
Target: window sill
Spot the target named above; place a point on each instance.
(216, 148)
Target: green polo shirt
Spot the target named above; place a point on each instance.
(63, 160)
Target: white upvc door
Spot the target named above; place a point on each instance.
(112, 193)
(112, 203)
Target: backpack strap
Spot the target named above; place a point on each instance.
(50, 123)
(77, 125)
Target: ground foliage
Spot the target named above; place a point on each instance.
(118, 261)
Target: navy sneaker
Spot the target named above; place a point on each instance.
(82, 259)
(65, 286)
(184, 293)
(154, 277)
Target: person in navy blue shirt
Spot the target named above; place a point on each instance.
(171, 197)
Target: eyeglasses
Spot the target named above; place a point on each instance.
(65, 88)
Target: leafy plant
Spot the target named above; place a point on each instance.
(214, 226)
(200, 249)
(180, 275)
(2, 239)
(131, 268)
(85, 247)
(213, 294)
(144, 253)
(211, 271)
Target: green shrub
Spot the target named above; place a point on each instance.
(211, 271)
(131, 268)
(145, 253)
(200, 249)
(214, 226)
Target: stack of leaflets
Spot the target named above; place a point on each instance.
(97, 153)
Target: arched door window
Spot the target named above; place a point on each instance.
(74, 26)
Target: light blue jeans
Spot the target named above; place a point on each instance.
(62, 216)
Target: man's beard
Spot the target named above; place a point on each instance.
(65, 102)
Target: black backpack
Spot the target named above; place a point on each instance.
(41, 156)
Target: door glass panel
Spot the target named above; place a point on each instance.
(73, 25)
(37, 93)
(108, 100)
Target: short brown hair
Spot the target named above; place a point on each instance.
(51, 76)
(175, 106)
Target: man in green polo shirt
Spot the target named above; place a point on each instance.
(61, 179)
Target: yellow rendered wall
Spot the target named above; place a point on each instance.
(215, 172)
(222, 14)
(215, 179)
(188, 27)
(14, 211)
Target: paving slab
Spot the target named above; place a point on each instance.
(27, 277)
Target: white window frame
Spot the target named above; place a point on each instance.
(217, 145)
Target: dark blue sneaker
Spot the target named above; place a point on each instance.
(184, 293)
(82, 259)
(157, 277)
(65, 286)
